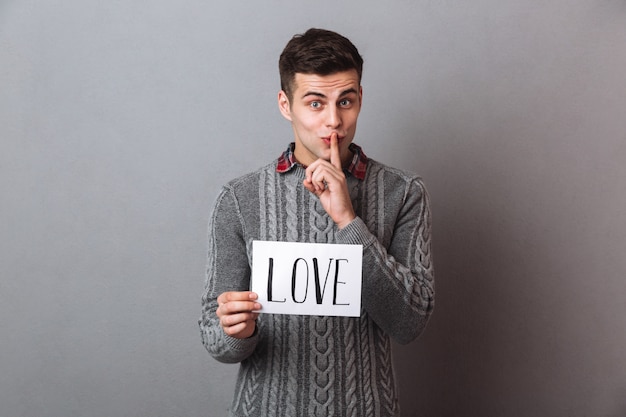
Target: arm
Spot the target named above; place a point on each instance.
(398, 283)
(227, 324)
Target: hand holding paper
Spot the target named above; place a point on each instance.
(237, 314)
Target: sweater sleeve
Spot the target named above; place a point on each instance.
(398, 281)
(228, 269)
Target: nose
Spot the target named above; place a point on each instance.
(333, 117)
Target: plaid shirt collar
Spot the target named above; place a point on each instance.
(357, 166)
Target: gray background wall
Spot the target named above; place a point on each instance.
(120, 120)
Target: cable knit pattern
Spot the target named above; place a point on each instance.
(367, 384)
(350, 368)
(298, 366)
(322, 367)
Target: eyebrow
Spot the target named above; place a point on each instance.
(343, 93)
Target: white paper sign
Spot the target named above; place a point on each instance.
(307, 278)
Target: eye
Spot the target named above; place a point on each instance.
(345, 102)
(315, 104)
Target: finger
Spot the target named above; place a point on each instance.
(314, 177)
(335, 157)
(235, 319)
(236, 296)
(309, 186)
(237, 328)
(236, 307)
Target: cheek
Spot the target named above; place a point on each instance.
(351, 123)
(308, 123)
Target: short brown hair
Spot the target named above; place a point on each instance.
(317, 51)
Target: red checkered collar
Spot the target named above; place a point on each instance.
(357, 166)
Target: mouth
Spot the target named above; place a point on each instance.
(327, 139)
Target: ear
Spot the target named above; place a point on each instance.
(360, 95)
(283, 105)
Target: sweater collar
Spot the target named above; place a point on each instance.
(357, 166)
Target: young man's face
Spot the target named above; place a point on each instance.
(322, 105)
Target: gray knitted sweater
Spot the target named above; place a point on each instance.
(297, 366)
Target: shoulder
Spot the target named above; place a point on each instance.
(241, 196)
(396, 190)
(393, 176)
(250, 179)
(244, 193)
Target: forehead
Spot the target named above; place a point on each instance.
(332, 84)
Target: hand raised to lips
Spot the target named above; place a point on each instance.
(327, 181)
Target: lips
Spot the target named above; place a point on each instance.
(327, 139)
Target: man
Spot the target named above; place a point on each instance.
(322, 189)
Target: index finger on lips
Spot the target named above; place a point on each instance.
(335, 157)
